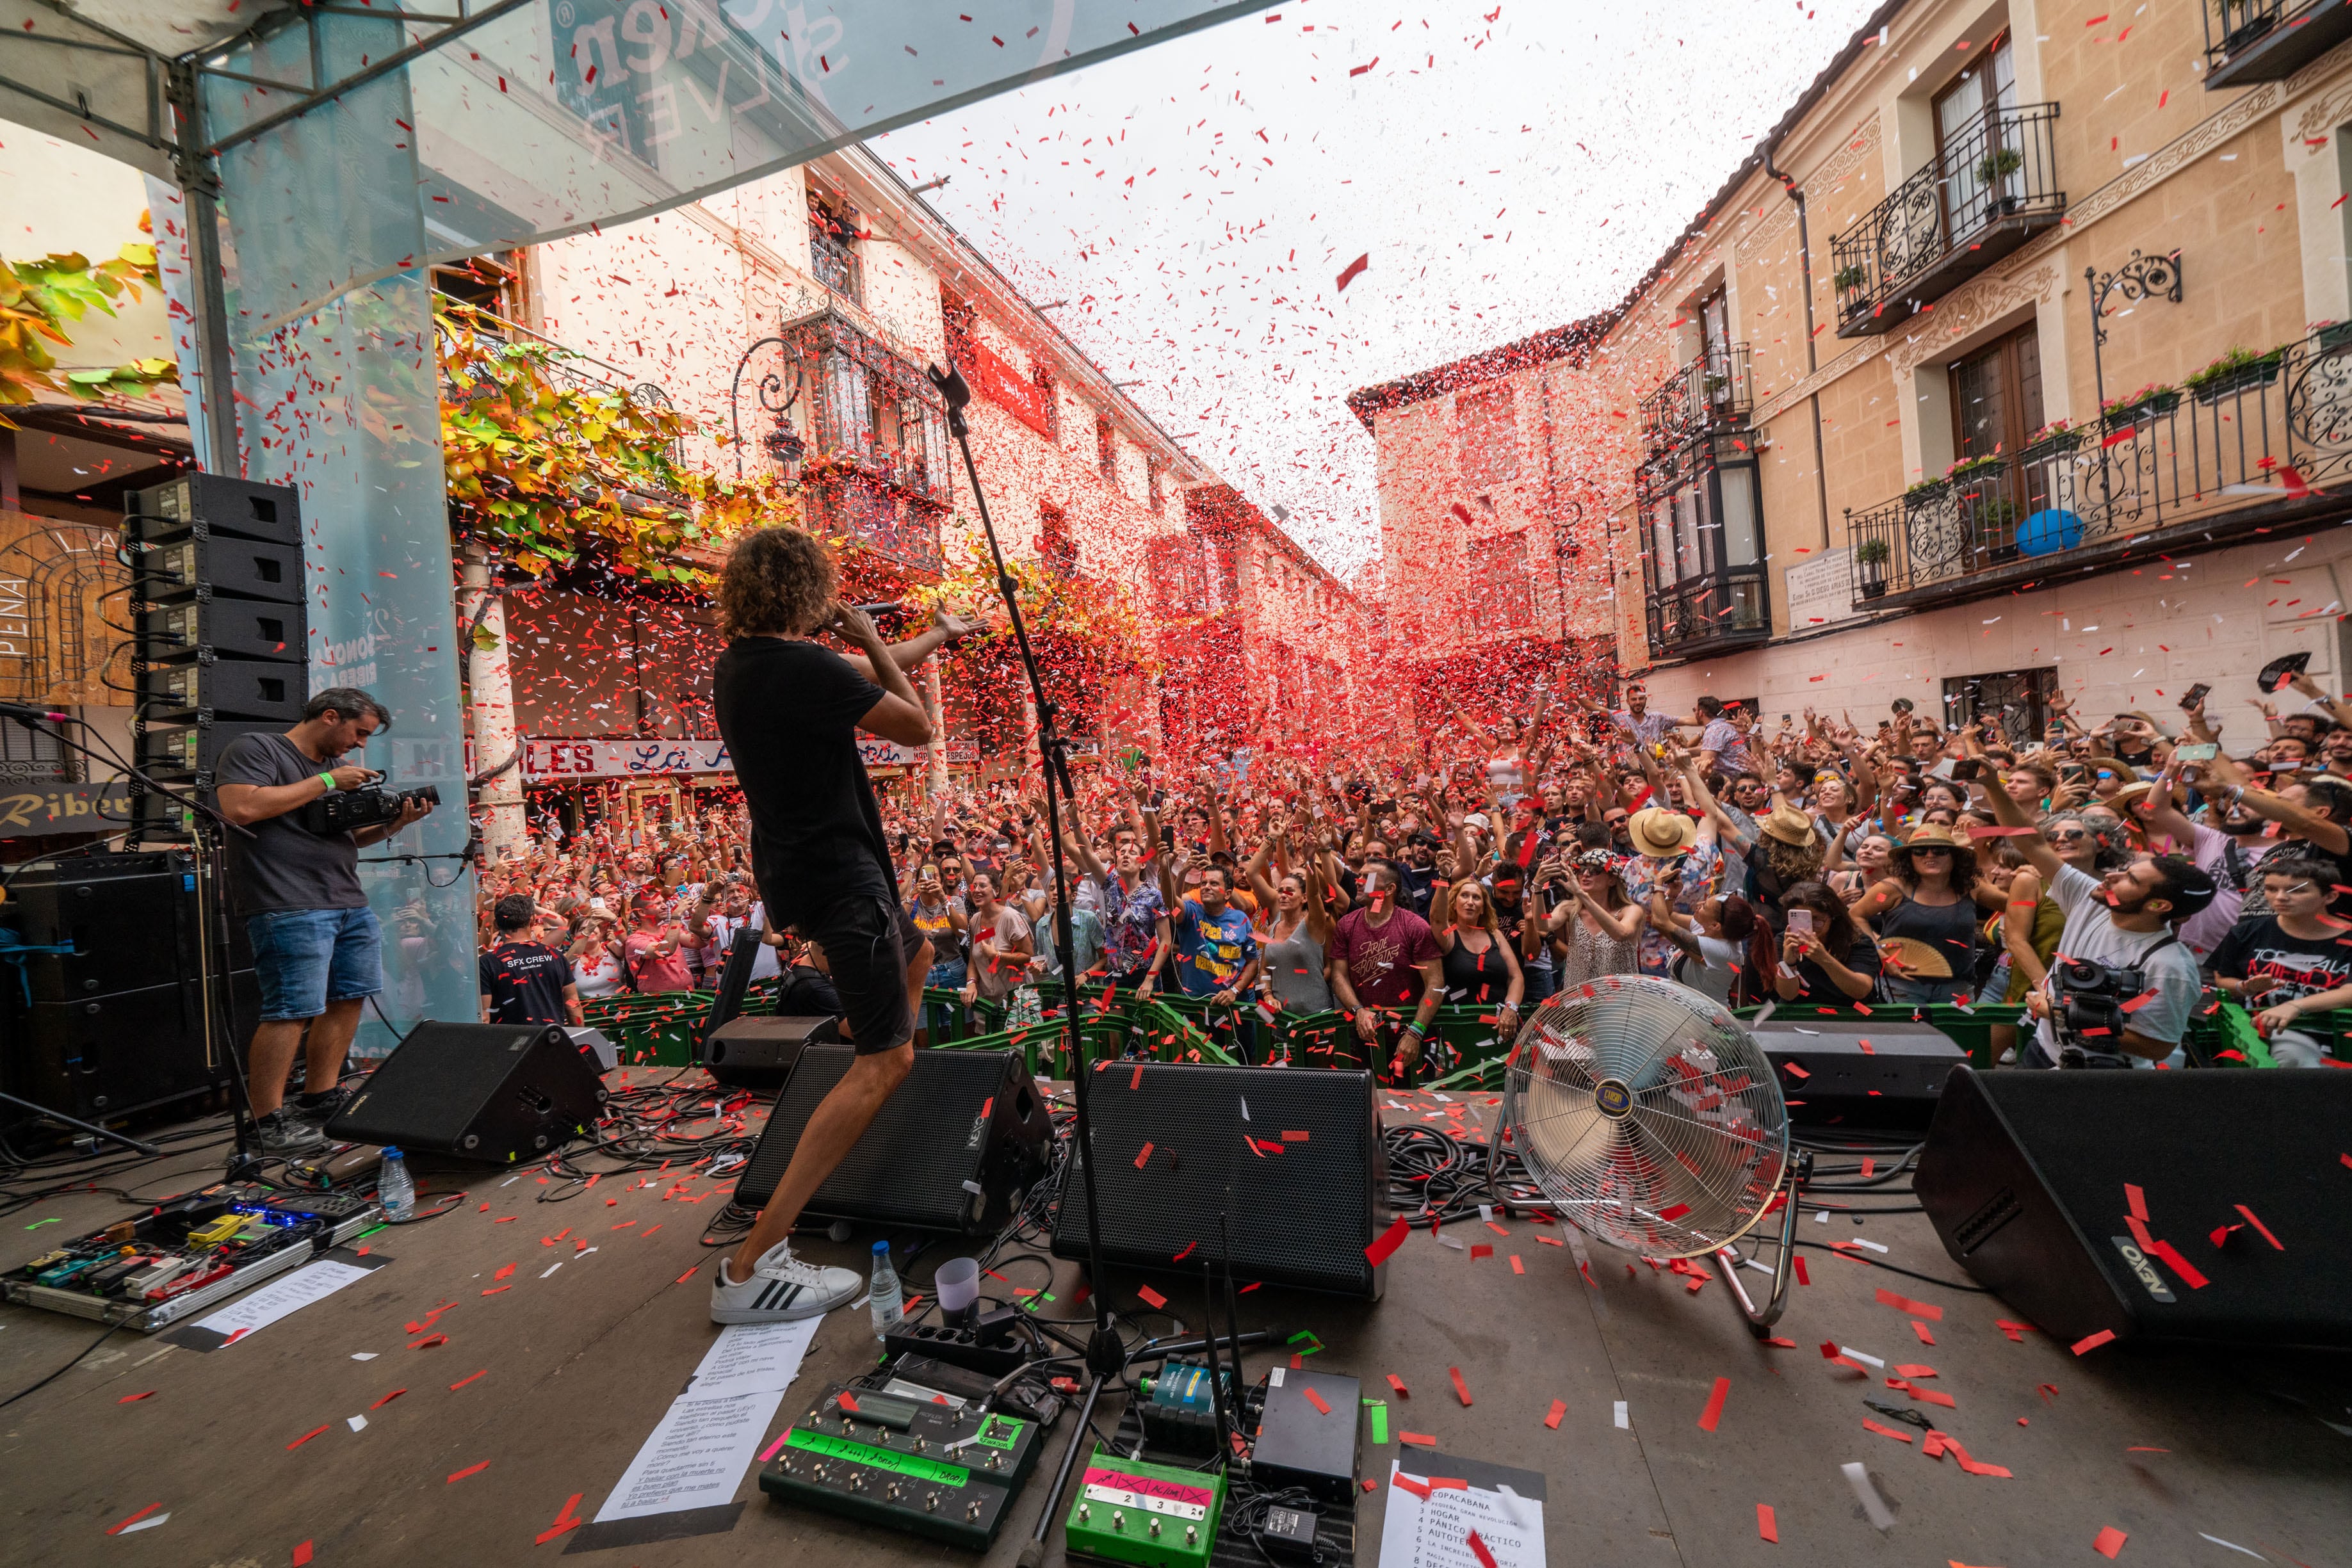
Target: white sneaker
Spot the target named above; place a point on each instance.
(781, 1289)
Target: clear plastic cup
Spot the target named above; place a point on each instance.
(958, 1284)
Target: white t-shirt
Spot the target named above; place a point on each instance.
(2169, 969)
(2203, 931)
(722, 934)
(597, 976)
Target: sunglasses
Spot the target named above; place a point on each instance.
(2066, 835)
(1915, 853)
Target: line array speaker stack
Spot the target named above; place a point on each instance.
(222, 634)
(1291, 1156)
(2209, 1208)
(116, 1025)
(955, 1148)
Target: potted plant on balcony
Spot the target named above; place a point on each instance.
(2151, 400)
(1850, 279)
(2234, 371)
(2334, 336)
(1976, 470)
(1870, 558)
(1996, 522)
(1924, 494)
(2052, 440)
(1995, 167)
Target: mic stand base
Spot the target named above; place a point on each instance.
(150, 1150)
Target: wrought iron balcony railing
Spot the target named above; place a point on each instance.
(1712, 393)
(2248, 41)
(2252, 450)
(1993, 187)
(1727, 609)
(834, 262)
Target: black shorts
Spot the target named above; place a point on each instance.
(867, 943)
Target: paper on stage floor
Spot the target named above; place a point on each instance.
(283, 1296)
(1504, 1506)
(697, 1454)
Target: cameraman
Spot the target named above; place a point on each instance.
(2126, 920)
(317, 950)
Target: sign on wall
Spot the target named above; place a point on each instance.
(553, 760)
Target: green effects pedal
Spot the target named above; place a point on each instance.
(1153, 1516)
(926, 1469)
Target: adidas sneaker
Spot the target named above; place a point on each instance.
(781, 1289)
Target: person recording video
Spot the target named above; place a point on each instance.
(318, 953)
(789, 709)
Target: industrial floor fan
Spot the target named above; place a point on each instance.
(1651, 1121)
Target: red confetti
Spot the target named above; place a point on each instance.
(1766, 1526)
(1713, 1412)
(2109, 1542)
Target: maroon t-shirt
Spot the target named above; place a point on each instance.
(1383, 962)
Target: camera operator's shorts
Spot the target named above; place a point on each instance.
(305, 958)
(867, 941)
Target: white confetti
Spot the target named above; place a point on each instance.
(150, 1522)
(364, 1356)
(358, 1423)
(1623, 1424)
(1871, 1504)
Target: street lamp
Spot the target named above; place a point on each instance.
(785, 449)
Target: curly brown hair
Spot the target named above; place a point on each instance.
(778, 579)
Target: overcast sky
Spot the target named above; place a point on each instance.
(1506, 169)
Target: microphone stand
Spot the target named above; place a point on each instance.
(247, 1160)
(1106, 1358)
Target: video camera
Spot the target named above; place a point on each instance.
(347, 810)
(2086, 1011)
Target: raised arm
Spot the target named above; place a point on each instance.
(2005, 807)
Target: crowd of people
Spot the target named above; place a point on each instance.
(1821, 863)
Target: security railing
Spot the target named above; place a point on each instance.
(1712, 393)
(2258, 446)
(1993, 186)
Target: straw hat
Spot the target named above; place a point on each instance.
(1661, 833)
(1789, 825)
(1934, 836)
(2130, 795)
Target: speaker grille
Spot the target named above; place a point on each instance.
(516, 1089)
(909, 1166)
(1302, 1216)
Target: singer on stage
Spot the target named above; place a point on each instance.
(789, 708)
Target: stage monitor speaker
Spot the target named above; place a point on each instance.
(956, 1148)
(489, 1092)
(100, 1057)
(2027, 1179)
(757, 1053)
(1855, 1073)
(1291, 1156)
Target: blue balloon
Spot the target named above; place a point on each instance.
(2048, 532)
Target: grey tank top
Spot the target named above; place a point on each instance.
(1285, 957)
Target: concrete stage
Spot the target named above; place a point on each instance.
(581, 1363)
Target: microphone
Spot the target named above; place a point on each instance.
(24, 714)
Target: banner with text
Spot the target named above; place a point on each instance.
(551, 760)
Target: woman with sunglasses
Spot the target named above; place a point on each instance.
(1932, 897)
(1598, 931)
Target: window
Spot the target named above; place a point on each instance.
(1485, 436)
(1501, 594)
(2019, 698)
(1041, 376)
(489, 283)
(1105, 448)
(1997, 396)
(832, 253)
(1056, 547)
(1155, 496)
(1989, 84)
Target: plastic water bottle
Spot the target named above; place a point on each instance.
(888, 1301)
(397, 1192)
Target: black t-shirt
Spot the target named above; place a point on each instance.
(284, 865)
(2279, 968)
(525, 983)
(1861, 958)
(788, 711)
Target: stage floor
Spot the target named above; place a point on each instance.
(578, 1364)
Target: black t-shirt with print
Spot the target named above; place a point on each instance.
(2279, 968)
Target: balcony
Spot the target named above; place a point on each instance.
(2183, 470)
(1993, 187)
(834, 261)
(2247, 41)
(877, 467)
(1712, 393)
(1710, 615)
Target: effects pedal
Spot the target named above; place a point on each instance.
(924, 1467)
(1146, 1515)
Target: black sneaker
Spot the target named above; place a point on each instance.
(327, 1106)
(285, 1135)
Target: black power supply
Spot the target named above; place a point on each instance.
(1290, 1533)
(1306, 1434)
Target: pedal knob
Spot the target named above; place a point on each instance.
(1155, 1527)
(1118, 1520)
(857, 1483)
(892, 1493)
(1192, 1536)
(1084, 1513)
(971, 1510)
(931, 1502)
